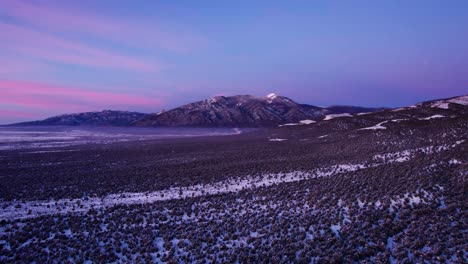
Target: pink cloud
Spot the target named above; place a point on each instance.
(14, 65)
(57, 49)
(130, 33)
(12, 113)
(47, 96)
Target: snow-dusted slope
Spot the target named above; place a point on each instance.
(445, 103)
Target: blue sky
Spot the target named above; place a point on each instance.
(72, 56)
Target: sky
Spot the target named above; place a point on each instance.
(65, 56)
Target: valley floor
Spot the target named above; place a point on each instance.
(324, 193)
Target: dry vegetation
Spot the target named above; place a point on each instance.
(402, 211)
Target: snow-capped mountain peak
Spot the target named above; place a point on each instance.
(270, 97)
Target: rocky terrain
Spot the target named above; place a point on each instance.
(383, 187)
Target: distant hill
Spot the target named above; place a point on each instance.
(338, 109)
(394, 119)
(103, 118)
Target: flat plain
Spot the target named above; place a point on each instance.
(376, 188)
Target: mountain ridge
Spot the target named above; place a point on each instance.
(96, 118)
(229, 111)
(241, 111)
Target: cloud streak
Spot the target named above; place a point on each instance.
(47, 96)
(40, 41)
(61, 19)
(52, 48)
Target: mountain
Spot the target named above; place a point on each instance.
(103, 118)
(244, 111)
(247, 111)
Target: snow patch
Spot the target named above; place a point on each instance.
(302, 122)
(270, 97)
(454, 161)
(289, 124)
(336, 229)
(307, 122)
(432, 117)
(277, 139)
(378, 126)
(330, 117)
(441, 105)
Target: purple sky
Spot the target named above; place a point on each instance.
(71, 56)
